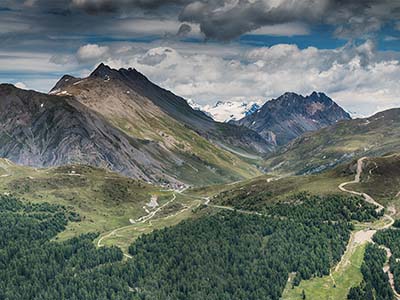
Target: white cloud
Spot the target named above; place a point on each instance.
(91, 52)
(358, 77)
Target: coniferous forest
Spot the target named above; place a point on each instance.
(225, 255)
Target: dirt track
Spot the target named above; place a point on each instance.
(363, 236)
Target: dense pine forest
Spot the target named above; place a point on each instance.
(242, 256)
(33, 267)
(224, 255)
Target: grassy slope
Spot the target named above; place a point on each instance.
(340, 143)
(104, 200)
(185, 155)
(183, 209)
(264, 189)
(381, 179)
(203, 163)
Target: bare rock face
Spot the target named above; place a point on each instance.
(283, 119)
(42, 130)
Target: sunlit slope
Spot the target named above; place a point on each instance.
(104, 200)
(188, 140)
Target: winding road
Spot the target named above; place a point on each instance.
(366, 236)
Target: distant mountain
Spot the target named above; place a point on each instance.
(228, 111)
(283, 119)
(342, 142)
(118, 119)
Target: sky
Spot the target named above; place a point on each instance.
(212, 50)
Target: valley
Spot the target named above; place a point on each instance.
(176, 206)
(164, 202)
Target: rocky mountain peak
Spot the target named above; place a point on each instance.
(103, 71)
(290, 115)
(106, 72)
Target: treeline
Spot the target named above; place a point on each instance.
(338, 206)
(305, 207)
(375, 284)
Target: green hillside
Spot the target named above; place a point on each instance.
(381, 179)
(104, 200)
(343, 142)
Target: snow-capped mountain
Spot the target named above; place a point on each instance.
(228, 111)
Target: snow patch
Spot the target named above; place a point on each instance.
(228, 111)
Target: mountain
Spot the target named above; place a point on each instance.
(129, 99)
(228, 111)
(102, 122)
(339, 143)
(43, 130)
(283, 119)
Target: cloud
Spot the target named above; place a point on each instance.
(96, 6)
(184, 30)
(217, 19)
(92, 52)
(228, 19)
(358, 77)
(110, 6)
(287, 29)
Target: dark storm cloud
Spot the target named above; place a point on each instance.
(222, 19)
(110, 6)
(228, 19)
(352, 18)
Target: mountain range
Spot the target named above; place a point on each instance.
(328, 147)
(120, 120)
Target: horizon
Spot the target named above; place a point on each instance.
(195, 105)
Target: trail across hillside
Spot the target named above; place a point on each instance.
(366, 236)
(136, 222)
